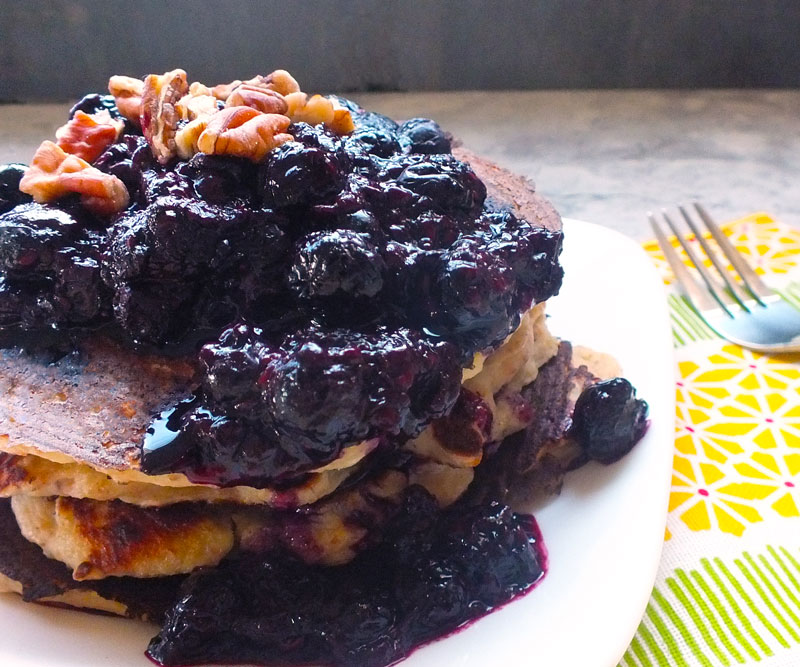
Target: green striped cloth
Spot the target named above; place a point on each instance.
(728, 587)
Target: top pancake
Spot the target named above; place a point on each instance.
(94, 406)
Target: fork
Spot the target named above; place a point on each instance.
(746, 312)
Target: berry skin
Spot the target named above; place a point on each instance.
(609, 420)
(449, 185)
(374, 121)
(477, 295)
(422, 135)
(10, 195)
(298, 174)
(93, 103)
(341, 262)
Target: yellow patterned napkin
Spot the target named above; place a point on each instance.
(728, 587)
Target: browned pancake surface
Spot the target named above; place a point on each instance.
(93, 405)
(42, 577)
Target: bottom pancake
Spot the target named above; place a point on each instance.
(24, 569)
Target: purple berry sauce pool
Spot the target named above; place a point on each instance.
(432, 574)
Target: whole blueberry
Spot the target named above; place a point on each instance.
(95, 102)
(232, 363)
(317, 399)
(298, 174)
(477, 295)
(609, 420)
(374, 141)
(449, 185)
(338, 262)
(10, 195)
(221, 180)
(423, 135)
(31, 234)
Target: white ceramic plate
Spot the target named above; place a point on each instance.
(604, 532)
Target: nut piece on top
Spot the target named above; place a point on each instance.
(54, 173)
(159, 117)
(127, 93)
(245, 119)
(243, 132)
(318, 109)
(87, 136)
(262, 99)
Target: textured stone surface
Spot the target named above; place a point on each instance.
(603, 156)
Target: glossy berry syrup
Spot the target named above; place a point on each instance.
(433, 573)
(334, 290)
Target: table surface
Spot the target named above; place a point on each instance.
(604, 156)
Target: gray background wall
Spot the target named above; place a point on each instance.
(59, 49)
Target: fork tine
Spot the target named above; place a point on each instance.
(717, 292)
(697, 295)
(733, 286)
(749, 277)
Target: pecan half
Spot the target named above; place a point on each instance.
(224, 90)
(318, 109)
(243, 132)
(262, 99)
(280, 81)
(159, 117)
(87, 136)
(191, 107)
(127, 93)
(186, 137)
(198, 88)
(54, 173)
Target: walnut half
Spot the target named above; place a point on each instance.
(243, 132)
(87, 136)
(54, 173)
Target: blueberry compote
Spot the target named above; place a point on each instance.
(434, 572)
(332, 294)
(334, 290)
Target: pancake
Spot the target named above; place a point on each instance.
(71, 433)
(26, 571)
(101, 539)
(500, 376)
(94, 406)
(98, 539)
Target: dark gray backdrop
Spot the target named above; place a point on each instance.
(59, 49)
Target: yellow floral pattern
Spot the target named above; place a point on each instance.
(770, 246)
(737, 430)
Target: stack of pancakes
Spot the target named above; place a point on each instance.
(84, 526)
